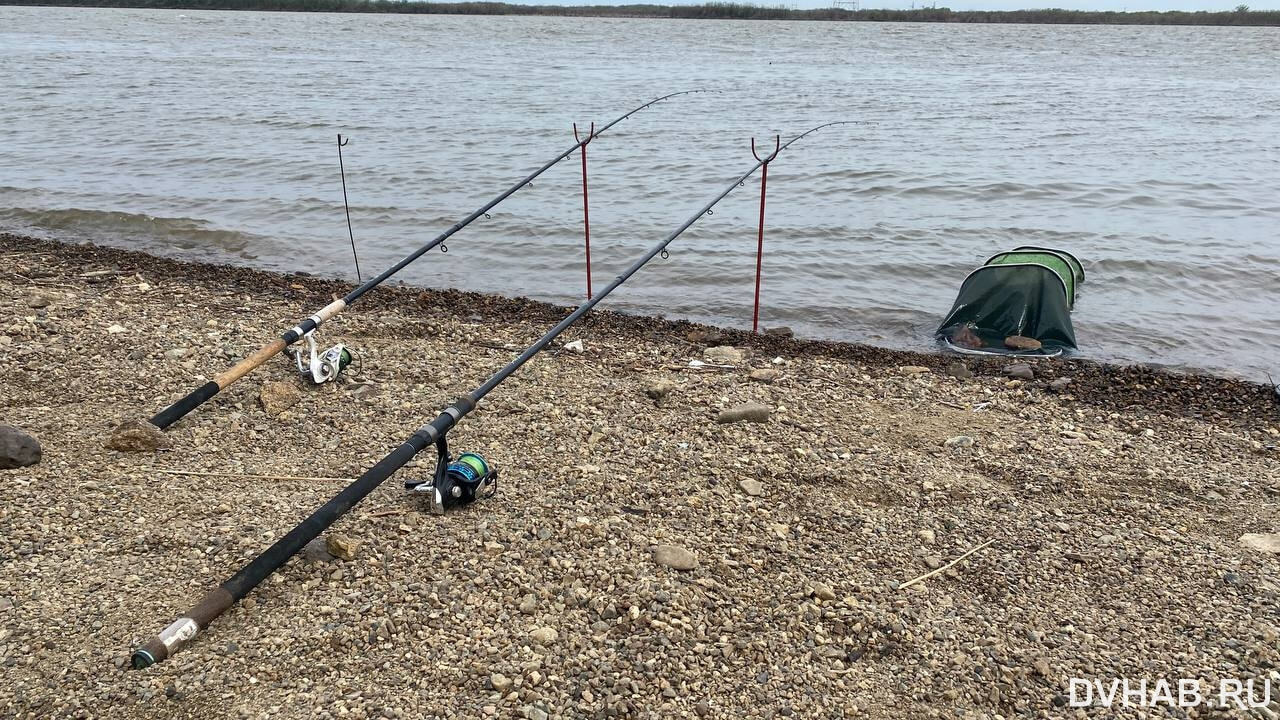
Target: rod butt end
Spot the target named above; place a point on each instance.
(148, 655)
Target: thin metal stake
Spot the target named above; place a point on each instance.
(764, 183)
(345, 206)
(586, 213)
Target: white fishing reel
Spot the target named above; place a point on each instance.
(324, 366)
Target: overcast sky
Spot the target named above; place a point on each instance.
(1189, 5)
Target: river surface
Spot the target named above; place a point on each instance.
(1151, 153)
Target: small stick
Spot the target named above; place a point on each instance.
(203, 473)
(385, 513)
(944, 568)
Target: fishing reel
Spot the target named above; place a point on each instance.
(324, 366)
(456, 482)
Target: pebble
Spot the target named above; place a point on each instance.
(316, 552)
(278, 395)
(749, 412)
(913, 369)
(959, 370)
(136, 435)
(963, 441)
(1020, 371)
(708, 337)
(116, 329)
(500, 683)
(17, 448)
(575, 346)
(674, 556)
(927, 536)
(38, 300)
(723, 355)
(1061, 383)
(765, 375)
(1265, 542)
(660, 389)
(754, 488)
(780, 331)
(342, 546)
(529, 604)
(544, 635)
(822, 592)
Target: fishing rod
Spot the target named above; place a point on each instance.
(455, 483)
(329, 364)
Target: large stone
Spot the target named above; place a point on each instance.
(822, 591)
(17, 448)
(959, 370)
(529, 604)
(660, 389)
(750, 412)
(137, 435)
(278, 396)
(780, 331)
(765, 375)
(501, 683)
(754, 488)
(1266, 542)
(544, 635)
(708, 337)
(1020, 371)
(341, 546)
(1021, 342)
(316, 552)
(675, 557)
(722, 355)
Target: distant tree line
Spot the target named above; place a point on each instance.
(1242, 15)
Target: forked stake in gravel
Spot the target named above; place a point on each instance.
(200, 395)
(217, 601)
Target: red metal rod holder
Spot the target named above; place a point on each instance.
(764, 184)
(586, 209)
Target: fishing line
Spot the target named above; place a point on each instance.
(466, 474)
(202, 394)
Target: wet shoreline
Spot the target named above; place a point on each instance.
(1104, 385)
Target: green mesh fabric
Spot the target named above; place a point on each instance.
(1075, 264)
(997, 301)
(1051, 260)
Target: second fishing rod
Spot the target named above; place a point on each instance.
(446, 488)
(329, 364)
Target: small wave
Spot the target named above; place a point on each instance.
(190, 234)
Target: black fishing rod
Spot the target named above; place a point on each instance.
(214, 603)
(328, 365)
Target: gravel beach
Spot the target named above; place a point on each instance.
(643, 558)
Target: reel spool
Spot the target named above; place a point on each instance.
(325, 366)
(457, 482)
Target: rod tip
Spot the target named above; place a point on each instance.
(142, 660)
